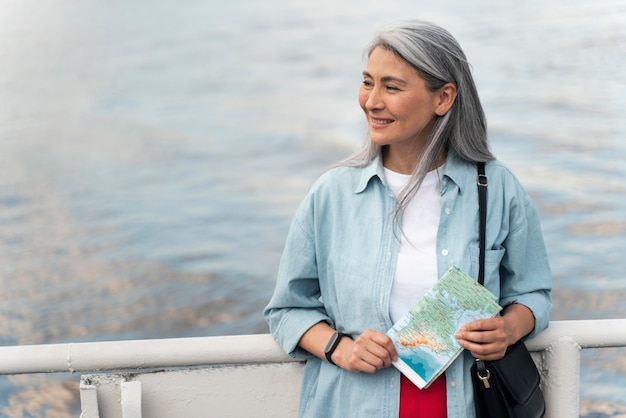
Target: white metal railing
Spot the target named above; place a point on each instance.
(556, 350)
(559, 348)
(140, 354)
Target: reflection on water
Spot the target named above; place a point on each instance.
(41, 396)
(152, 157)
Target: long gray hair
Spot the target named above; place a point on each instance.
(438, 59)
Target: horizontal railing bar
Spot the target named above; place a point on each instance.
(140, 354)
(597, 333)
(239, 349)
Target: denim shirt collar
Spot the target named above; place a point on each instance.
(374, 168)
(455, 169)
(461, 172)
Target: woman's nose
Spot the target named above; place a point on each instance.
(374, 100)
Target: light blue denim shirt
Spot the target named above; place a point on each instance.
(338, 266)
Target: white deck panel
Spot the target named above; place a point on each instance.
(260, 390)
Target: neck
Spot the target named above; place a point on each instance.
(400, 160)
(403, 162)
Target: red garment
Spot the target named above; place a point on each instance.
(426, 403)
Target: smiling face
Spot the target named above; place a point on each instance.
(399, 108)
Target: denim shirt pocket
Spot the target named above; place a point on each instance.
(493, 258)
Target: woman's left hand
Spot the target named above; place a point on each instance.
(488, 339)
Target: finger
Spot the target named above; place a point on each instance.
(485, 351)
(385, 343)
(357, 360)
(483, 337)
(374, 360)
(482, 325)
(482, 331)
(373, 349)
(361, 359)
(378, 355)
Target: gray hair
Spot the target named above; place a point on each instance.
(438, 59)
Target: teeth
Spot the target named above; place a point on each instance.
(381, 121)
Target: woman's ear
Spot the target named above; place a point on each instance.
(446, 96)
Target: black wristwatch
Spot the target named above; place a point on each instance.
(332, 345)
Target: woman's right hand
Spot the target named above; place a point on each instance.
(371, 351)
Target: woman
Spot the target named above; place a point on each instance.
(376, 232)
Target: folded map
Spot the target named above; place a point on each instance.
(424, 337)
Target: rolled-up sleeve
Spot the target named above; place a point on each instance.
(296, 303)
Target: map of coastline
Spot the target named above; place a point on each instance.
(424, 337)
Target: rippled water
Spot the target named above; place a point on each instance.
(152, 155)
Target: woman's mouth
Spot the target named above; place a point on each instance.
(381, 122)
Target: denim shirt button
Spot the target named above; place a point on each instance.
(453, 384)
(444, 252)
(448, 211)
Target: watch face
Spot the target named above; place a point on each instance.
(331, 342)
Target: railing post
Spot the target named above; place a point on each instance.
(89, 400)
(131, 399)
(561, 385)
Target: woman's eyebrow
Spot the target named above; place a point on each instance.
(386, 78)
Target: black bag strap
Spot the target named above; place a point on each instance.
(481, 181)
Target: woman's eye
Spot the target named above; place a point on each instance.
(392, 88)
(367, 83)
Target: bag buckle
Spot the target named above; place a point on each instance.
(481, 180)
(485, 379)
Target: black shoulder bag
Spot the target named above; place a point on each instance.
(509, 387)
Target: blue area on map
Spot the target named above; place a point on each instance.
(425, 365)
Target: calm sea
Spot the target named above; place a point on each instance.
(152, 154)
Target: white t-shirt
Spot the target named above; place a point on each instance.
(416, 268)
